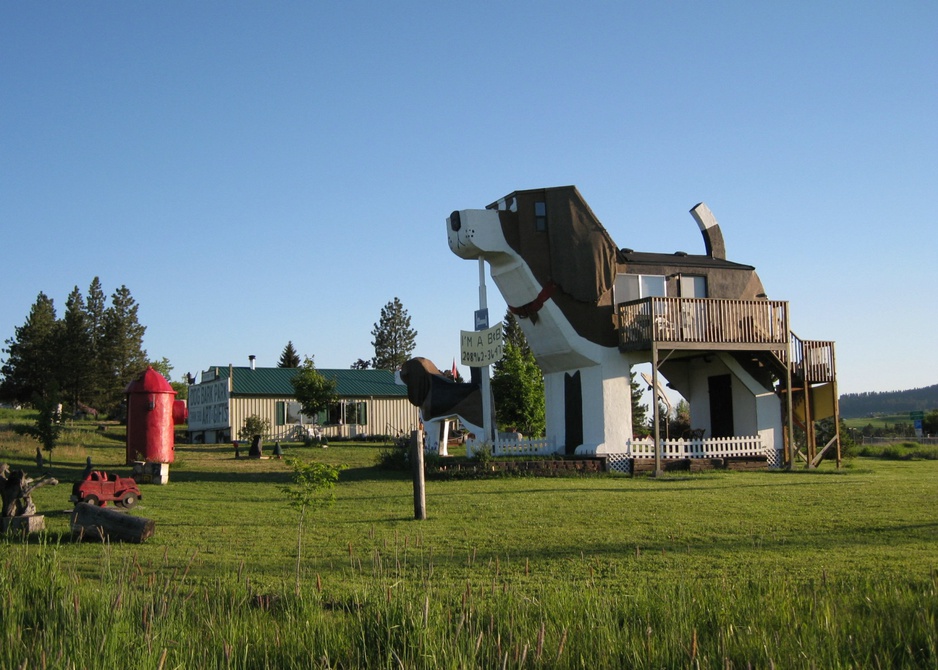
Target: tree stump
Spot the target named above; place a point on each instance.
(16, 489)
(90, 522)
(33, 523)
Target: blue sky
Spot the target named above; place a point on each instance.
(262, 172)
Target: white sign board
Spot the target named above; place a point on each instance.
(208, 405)
(481, 347)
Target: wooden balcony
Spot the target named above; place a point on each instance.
(704, 323)
(813, 360)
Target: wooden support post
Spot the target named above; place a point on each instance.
(656, 414)
(810, 439)
(416, 458)
(90, 522)
(836, 403)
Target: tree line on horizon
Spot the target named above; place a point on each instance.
(856, 405)
(84, 360)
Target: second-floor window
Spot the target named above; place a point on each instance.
(635, 287)
(540, 216)
(693, 286)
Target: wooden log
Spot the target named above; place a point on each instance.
(90, 522)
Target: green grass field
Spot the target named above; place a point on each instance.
(768, 569)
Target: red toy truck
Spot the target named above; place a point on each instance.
(98, 487)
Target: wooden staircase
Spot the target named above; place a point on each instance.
(813, 385)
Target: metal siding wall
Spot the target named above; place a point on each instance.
(390, 416)
(386, 416)
(265, 408)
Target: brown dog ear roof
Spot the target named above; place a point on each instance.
(582, 254)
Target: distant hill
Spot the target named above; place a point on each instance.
(855, 405)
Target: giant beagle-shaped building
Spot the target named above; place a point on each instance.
(559, 271)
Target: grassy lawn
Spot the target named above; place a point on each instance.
(786, 569)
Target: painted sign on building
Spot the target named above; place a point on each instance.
(208, 405)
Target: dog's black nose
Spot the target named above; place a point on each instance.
(454, 221)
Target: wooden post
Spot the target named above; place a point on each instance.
(656, 413)
(99, 523)
(836, 403)
(809, 433)
(789, 441)
(416, 457)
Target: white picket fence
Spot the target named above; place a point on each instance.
(509, 447)
(621, 460)
(713, 447)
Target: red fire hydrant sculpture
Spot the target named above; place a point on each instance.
(151, 410)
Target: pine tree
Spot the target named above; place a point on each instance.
(394, 338)
(289, 358)
(76, 362)
(122, 353)
(518, 384)
(95, 308)
(512, 333)
(32, 354)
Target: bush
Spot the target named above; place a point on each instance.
(254, 425)
(396, 456)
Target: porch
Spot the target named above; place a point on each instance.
(704, 323)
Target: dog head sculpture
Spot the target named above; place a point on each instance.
(555, 234)
(439, 397)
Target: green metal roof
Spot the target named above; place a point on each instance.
(276, 382)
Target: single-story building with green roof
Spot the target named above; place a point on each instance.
(370, 402)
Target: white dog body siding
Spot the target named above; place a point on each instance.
(564, 356)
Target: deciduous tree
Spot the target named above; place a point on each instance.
(313, 391)
(313, 485)
(48, 426)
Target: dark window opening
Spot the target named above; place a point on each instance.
(540, 216)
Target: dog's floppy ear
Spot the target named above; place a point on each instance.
(416, 376)
(582, 255)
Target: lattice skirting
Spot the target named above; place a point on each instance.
(774, 458)
(619, 463)
(622, 462)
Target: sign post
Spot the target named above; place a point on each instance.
(481, 348)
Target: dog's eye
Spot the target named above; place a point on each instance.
(454, 221)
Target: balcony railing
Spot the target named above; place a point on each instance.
(700, 323)
(812, 360)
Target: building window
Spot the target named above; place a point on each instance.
(693, 286)
(347, 412)
(280, 413)
(540, 216)
(635, 287)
